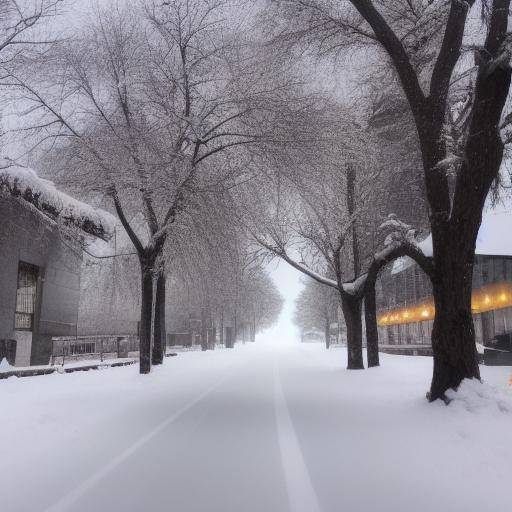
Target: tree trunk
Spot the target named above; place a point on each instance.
(221, 328)
(159, 343)
(453, 334)
(204, 330)
(327, 333)
(146, 315)
(229, 337)
(372, 334)
(253, 328)
(351, 307)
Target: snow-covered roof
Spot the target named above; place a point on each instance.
(494, 239)
(24, 182)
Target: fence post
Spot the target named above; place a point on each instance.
(101, 350)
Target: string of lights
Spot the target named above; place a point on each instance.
(487, 298)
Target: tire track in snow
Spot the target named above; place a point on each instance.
(301, 494)
(73, 496)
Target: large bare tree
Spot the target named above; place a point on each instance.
(396, 29)
(151, 107)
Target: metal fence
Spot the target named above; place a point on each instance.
(88, 347)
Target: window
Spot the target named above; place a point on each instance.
(391, 334)
(508, 276)
(500, 321)
(26, 296)
(485, 271)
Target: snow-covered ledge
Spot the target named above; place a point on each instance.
(24, 183)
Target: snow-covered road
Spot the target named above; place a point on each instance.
(267, 427)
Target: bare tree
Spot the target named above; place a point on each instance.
(151, 114)
(315, 204)
(455, 212)
(315, 308)
(220, 274)
(19, 24)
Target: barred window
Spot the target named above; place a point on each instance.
(26, 296)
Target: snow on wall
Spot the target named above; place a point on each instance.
(24, 182)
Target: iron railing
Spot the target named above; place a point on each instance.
(86, 347)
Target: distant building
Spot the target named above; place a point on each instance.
(405, 308)
(312, 335)
(39, 264)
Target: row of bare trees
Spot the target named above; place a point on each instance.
(215, 283)
(163, 109)
(455, 100)
(155, 108)
(316, 309)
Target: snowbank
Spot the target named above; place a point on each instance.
(25, 183)
(5, 366)
(480, 398)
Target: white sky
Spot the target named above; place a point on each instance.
(287, 279)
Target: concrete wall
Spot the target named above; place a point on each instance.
(109, 296)
(26, 236)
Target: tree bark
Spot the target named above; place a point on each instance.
(229, 343)
(351, 206)
(327, 333)
(204, 330)
(372, 335)
(253, 328)
(351, 307)
(221, 327)
(145, 315)
(159, 331)
(453, 334)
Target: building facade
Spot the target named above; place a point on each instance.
(40, 282)
(405, 308)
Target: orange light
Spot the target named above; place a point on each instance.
(486, 298)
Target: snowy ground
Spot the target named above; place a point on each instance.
(268, 427)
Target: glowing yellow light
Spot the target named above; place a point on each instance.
(487, 298)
